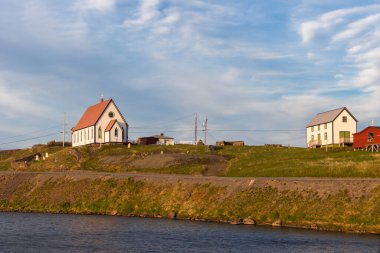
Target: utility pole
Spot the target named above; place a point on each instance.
(64, 129)
(196, 129)
(205, 129)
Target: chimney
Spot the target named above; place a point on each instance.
(162, 134)
(101, 100)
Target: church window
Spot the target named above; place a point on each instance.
(116, 132)
(100, 132)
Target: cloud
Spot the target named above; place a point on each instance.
(49, 28)
(310, 29)
(98, 5)
(357, 27)
(16, 102)
(148, 11)
(347, 41)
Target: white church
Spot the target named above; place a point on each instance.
(101, 123)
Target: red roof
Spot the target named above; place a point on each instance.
(92, 114)
(110, 125)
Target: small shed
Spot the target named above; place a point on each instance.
(368, 138)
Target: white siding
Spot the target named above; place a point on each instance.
(82, 137)
(166, 142)
(320, 130)
(339, 125)
(104, 121)
(111, 137)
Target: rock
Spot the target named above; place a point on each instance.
(249, 221)
(277, 223)
(75, 153)
(236, 222)
(172, 215)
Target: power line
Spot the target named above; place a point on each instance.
(26, 134)
(227, 130)
(28, 139)
(164, 124)
(257, 130)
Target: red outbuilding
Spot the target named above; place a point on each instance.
(367, 138)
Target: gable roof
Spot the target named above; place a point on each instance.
(161, 136)
(110, 125)
(329, 116)
(368, 127)
(91, 115)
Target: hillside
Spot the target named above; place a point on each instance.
(230, 161)
(331, 204)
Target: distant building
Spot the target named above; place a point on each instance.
(229, 143)
(368, 139)
(100, 123)
(331, 127)
(156, 140)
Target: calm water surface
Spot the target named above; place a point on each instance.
(20, 232)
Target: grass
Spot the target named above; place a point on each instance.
(301, 162)
(248, 161)
(335, 211)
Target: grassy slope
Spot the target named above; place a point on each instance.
(242, 161)
(334, 211)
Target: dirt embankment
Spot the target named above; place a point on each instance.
(333, 204)
(94, 159)
(213, 165)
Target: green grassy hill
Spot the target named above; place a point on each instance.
(230, 161)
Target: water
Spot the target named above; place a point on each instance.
(26, 232)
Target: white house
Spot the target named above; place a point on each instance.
(164, 140)
(331, 127)
(101, 123)
(159, 139)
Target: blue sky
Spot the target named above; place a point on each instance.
(247, 65)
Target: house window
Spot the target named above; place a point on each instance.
(92, 132)
(370, 137)
(116, 132)
(100, 132)
(312, 129)
(325, 136)
(319, 127)
(122, 134)
(312, 137)
(325, 126)
(344, 119)
(88, 136)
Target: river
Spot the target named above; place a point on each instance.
(34, 232)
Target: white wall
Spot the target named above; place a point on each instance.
(165, 142)
(104, 121)
(110, 135)
(83, 136)
(322, 130)
(339, 125)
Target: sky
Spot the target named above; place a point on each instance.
(258, 70)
